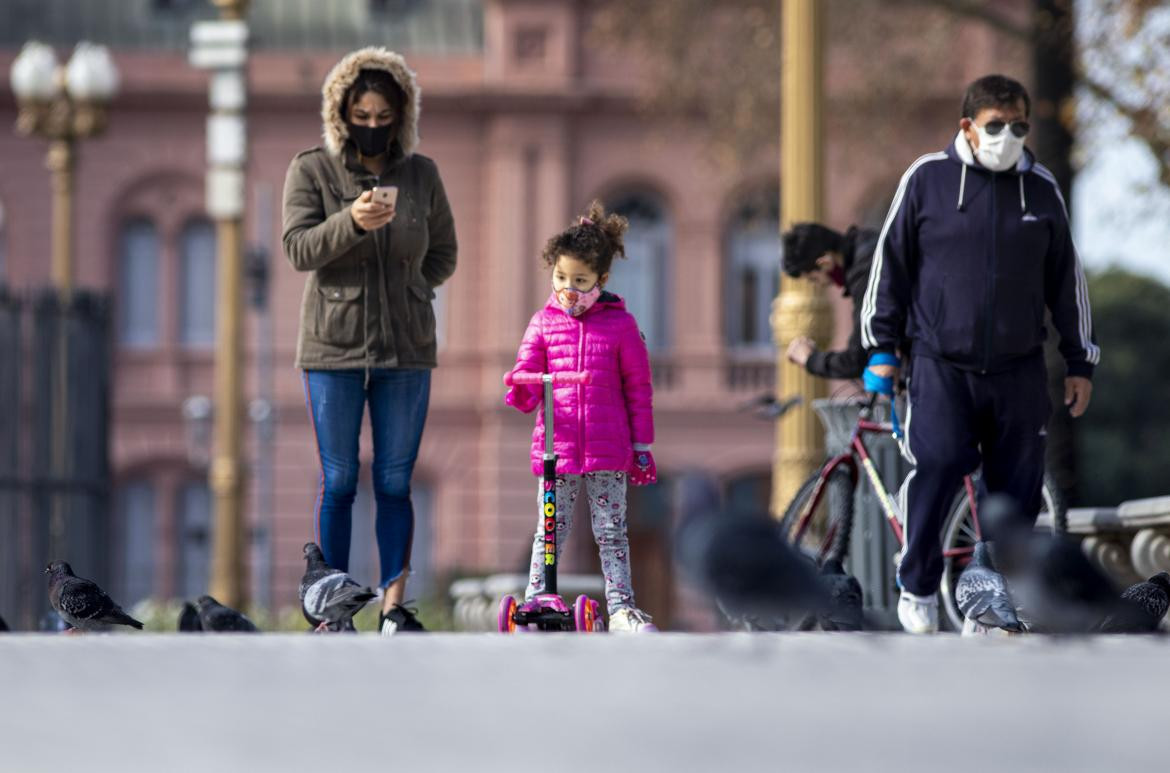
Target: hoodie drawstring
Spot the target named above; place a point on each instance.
(962, 187)
(1023, 201)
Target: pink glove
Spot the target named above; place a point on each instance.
(643, 471)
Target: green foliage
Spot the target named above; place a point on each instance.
(1123, 442)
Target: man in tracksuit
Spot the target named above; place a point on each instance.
(976, 245)
(830, 258)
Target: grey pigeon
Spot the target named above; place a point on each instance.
(214, 616)
(189, 619)
(982, 595)
(81, 603)
(844, 612)
(3, 626)
(1142, 607)
(748, 566)
(330, 597)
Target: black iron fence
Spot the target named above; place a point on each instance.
(54, 451)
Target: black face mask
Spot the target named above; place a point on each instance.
(371, 140)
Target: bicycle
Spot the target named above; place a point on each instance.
(807, 526)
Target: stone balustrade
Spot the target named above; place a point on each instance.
(1129, 542)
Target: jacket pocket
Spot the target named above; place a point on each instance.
(421, 322)
(339, 314)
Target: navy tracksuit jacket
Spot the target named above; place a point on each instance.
(966, 264)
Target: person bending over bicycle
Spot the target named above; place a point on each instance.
(829, 258)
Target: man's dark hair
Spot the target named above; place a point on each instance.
(804, 243)
(994, 91)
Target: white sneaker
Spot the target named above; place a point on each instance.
(918, 614)
(630, 620)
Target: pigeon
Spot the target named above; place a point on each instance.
(844, 612)
(3, 626)
(1061, 589)
(745, 563)
(214, 616)
(81, 603)
(330, 597)
(189, 619)
(1142, 607)
(766, 406)
(982, 595)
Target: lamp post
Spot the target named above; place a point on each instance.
(63, 104)
(801, 308)
(221, 46)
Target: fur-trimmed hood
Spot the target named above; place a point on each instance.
(342, 76)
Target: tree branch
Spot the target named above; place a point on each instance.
(978, 10)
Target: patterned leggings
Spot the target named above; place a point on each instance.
(607, 504)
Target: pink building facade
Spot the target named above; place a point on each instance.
(527, 124)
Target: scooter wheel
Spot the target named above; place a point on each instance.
(583, 614)
(505, 618)
(598, 620)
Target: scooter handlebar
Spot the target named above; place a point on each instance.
(561, 378)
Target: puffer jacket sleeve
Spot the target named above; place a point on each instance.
(439, 263)
(637, 386)
(532, 358)
(312, 240)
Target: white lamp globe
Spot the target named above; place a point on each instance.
(34, 72)
(91, 74)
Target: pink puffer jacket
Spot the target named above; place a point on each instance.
(595, 425)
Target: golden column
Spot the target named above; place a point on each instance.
(221, 47)
(800, 309)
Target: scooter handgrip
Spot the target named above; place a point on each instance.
(565, 377)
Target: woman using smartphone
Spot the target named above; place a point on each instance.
(367, 329)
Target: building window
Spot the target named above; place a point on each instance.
(641, 278)
(197, 283)
(135, 507)
(138, 258)
(193, 516)
(752, 279)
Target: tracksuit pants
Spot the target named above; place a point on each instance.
(955, 421)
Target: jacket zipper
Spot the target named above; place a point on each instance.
(993, 259)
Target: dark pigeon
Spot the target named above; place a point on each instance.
(330, 597)
(189, 619)
(1061, 590)
(982, 595)
(214, 616)
(1142, 607)
(3, 626)
(81, 603)
(745, 563)
(844, 612)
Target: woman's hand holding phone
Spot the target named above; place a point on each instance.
(370, 214)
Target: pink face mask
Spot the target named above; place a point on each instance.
(576, 303)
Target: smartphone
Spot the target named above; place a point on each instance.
(386, 194)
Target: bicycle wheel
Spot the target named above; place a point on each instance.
(827, 528)
(959, 539)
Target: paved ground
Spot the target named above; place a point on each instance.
(671, 702)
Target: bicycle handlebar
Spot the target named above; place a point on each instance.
(558, 379)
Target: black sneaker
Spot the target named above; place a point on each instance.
(400, 620)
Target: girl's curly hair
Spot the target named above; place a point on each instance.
(594, 240)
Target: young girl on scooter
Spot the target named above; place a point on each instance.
(602, 430)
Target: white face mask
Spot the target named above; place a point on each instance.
(998, 153)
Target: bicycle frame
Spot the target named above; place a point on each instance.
(858, 451)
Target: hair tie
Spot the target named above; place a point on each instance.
(585, 221)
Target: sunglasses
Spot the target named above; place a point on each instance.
(1018, 128)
